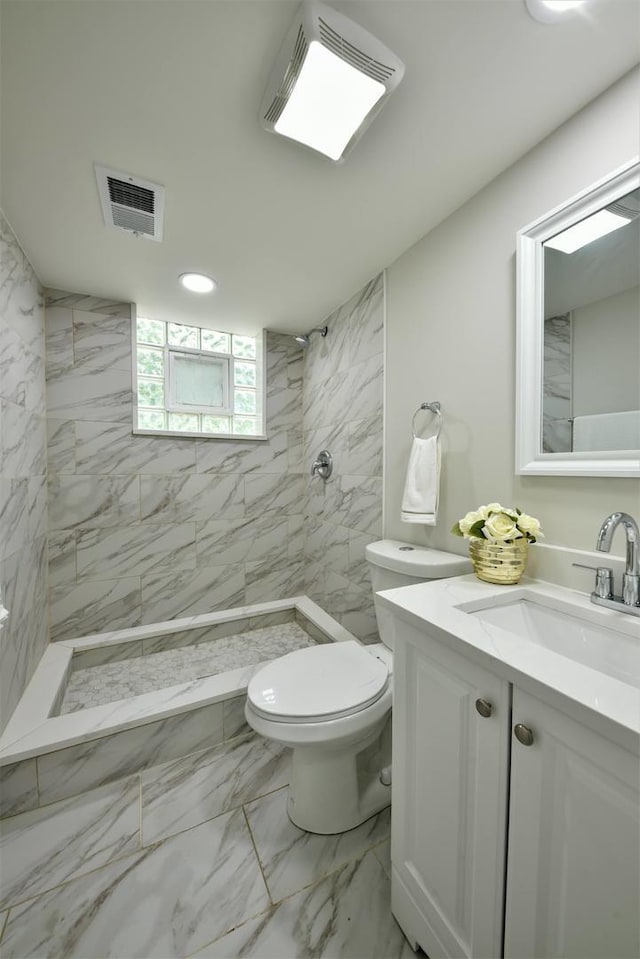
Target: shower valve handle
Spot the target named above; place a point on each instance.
(323, 465)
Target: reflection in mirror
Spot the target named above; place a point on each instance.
(578, 334)
(591, 352)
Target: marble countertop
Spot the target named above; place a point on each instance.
(441, 609)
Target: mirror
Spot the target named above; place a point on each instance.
(578, 336)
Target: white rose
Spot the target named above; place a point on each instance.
(500, 528)
(498, 508)
(530, 525)
(468, 520)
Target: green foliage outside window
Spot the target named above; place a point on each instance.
(156, 341)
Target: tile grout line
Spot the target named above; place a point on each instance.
(84, 875)
(257, 855)
(320, 879)
(224, 812)
(332, 871)
(37, 765)
(257, 915)
(276, 905)
(84, 792)
(140, 830)
(236, 740)
(374, 850)
(249, 738)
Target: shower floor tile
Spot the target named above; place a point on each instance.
(109, 682)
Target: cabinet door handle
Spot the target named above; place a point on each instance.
(523, 734)
(484, 707)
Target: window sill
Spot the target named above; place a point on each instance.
(183, 434)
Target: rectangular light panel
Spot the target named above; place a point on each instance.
(585, 232)
(561, 6)
(328, 103)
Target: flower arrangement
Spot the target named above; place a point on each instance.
(498, 524)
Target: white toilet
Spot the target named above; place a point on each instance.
(332, 704)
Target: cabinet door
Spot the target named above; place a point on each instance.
(449, 799)
(573, 884)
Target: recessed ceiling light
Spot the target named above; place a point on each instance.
(548, 11)
(197, 282)
(585, 232)
(561, 6)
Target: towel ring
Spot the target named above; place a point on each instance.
(433, 408)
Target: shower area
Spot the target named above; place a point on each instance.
(144, 529)
(165, 568)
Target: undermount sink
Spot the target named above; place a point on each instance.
(592, 640)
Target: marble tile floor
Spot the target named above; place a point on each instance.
(108, 682)
(194, 858)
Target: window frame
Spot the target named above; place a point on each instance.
(171, 403)
(166, 409)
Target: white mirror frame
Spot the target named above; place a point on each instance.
(530, 460)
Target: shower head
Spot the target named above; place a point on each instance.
(305, 338)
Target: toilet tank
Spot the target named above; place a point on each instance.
(393, 563)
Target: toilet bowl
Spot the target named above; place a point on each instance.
(331, 704)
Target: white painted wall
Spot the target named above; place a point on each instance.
(606, 355)
(451, 337)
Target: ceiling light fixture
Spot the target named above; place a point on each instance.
(549, 11)
(329, 81)
(585, 232)
(197, 282)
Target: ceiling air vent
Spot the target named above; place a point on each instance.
(352, 54)
(627, 206)
(131, 203)
(292, 72)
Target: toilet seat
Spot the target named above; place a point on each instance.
(318, 683)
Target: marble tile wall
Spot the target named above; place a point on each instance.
(556, 406)
(72, 770)
(23, 497)
(143, 528)
(342, 412)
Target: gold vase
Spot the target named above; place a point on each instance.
(501, 563)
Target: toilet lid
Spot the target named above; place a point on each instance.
(318, 682)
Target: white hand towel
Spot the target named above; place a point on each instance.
(420, 499)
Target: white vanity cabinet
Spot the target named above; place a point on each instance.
(573, 876)
(501, 848)
(449, 808)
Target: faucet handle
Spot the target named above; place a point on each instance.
(604, 579)
(631, 589)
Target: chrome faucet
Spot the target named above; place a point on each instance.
(629, 600)
(631, 577)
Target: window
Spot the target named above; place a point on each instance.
(197, 381)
